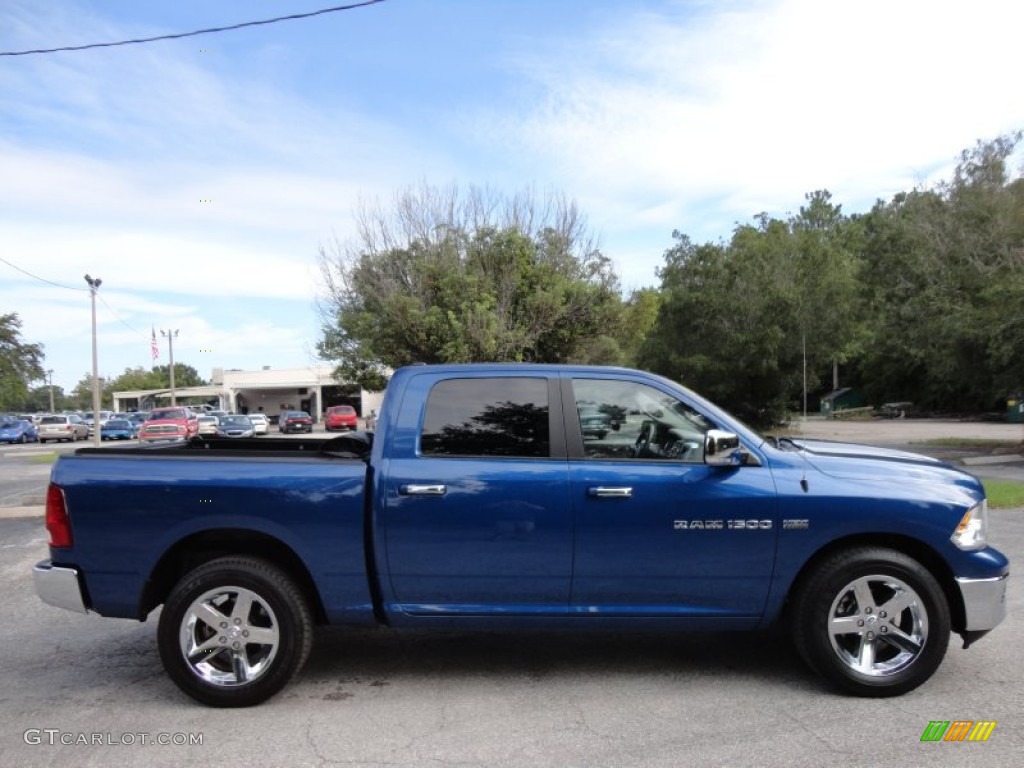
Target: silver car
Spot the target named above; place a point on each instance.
(63, 427)
(208, 425)
(260, 423)
(235, 426)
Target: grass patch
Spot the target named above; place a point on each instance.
(42, 458)
(1004, 493)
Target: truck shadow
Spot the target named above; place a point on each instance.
(380, 657)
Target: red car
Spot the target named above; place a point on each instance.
(295, 421)
(340, 417)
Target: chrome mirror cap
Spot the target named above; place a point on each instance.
(722, 449)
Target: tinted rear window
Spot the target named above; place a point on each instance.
(487, 417)
(54, 420)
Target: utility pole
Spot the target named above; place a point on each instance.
(804, 337)
(94, 285)
(49, 382)
(170, 336)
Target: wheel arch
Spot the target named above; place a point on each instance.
(909, 546)
(201, 547)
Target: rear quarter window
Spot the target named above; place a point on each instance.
(487, 417)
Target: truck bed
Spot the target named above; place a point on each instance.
(133, 508)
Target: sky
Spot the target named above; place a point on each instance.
(199, 177)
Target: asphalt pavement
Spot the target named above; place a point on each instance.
(86, 691)
(81, 690)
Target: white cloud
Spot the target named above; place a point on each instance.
(653, 116)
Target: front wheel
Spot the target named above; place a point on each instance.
(871, 620)
(234, 631)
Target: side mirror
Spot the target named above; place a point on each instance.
(722, 449)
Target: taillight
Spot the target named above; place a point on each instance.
(57, 522)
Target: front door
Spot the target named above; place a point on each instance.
(659, 533)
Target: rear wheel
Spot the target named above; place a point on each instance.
(234, 631)
(873, 621)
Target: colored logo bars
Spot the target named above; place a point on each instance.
(958, 730)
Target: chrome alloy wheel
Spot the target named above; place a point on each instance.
(229, 636)
(877, 625)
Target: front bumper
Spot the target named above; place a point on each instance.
(59, 586)
(984, 602)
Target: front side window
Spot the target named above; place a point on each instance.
(487, 417)
(628, 420)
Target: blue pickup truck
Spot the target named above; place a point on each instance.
(525, 496)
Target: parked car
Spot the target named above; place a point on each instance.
(175, 423)
(260, 423)
(65, 426)
(235, 426)
(207, 425)
(18, 431)
(294, 421)
(341, 417)
(118, 429)
(104, 417)
(595, 423)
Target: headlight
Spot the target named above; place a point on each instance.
(972, 532)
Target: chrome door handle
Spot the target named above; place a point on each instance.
(604, 492)
(423, 490)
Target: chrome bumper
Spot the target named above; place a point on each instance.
(58, 586)
(984, 602)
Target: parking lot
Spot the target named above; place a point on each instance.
(382, 698)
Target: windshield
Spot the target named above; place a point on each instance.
(168, 413)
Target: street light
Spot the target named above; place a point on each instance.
(94, 285)
(171, 335)
(49, 376)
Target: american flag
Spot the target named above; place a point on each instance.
(153, 346)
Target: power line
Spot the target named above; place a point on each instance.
(72, 288)
(119, 319)
(197, 32)
(37, 277)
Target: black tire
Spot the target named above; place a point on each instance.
(871, 620)
(277, 612)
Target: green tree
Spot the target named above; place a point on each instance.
(21, 363)
(184, 376)
(81, 395)
(738, 320)
(134, 379)
(445, 277)
(38, 400)
(944, 282)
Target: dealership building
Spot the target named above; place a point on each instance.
(268, 390)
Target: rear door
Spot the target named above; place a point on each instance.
(477, 519)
